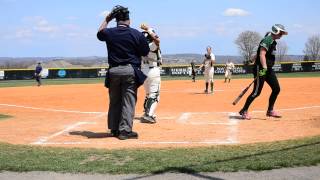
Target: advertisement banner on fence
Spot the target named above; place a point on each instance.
(44, 73)
(1, 74)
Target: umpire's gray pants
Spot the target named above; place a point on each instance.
(123, 98)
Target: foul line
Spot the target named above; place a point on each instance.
(185, 116)
(52, 110)
(233, 130)
(141, 142)
(43, 140)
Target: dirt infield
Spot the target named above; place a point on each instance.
(75, 115)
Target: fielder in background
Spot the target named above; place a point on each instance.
(228, 71)
(37, 74)
(151, 67)
(262, 69)
(193, 71)
(208, 62)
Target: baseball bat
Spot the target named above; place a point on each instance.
(243, 92)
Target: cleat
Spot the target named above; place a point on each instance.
(245, 115)
(272, 113)
(148, 119)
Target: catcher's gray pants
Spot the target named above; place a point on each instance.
(123, 98)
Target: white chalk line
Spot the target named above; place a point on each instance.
(189, 91)
(233, 130)
(185, 115)
(52, 110)
(182, 119)
(135, 142)
(232, 137)
(43, 140)
(213, 123)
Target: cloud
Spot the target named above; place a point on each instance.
(40, 24)
(173, 31)
(23, 34)
(235, 12)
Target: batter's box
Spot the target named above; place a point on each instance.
(225, 119)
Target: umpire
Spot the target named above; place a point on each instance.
(125, 47)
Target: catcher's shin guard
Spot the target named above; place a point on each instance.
(145, 103)
(151, 105)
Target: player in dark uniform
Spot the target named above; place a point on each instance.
(37, 73)
(193, 71)
(262, 69)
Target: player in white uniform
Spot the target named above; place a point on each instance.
(208, 62)
(151, 67)
(228, 71)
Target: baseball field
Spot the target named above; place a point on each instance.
(71, 117)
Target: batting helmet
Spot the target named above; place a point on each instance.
(277, 28)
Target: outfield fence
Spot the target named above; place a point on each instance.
(166, 70)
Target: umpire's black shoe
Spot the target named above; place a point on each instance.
(115, 133)
(127, 135)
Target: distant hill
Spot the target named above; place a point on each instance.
(220, 59)
(97, 61)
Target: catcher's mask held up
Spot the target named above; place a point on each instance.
(152, 44)
(120, 13)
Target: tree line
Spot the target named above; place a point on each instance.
(248, 42)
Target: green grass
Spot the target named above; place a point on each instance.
(262, 156)
(3, 117)
(18, 83)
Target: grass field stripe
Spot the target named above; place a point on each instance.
(52, 110)
(43, 140)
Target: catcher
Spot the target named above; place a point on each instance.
(151, 68)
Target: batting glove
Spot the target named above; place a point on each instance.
(263, 72)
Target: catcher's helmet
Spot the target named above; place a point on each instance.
(277, 28)
(120, 13)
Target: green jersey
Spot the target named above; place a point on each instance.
(270, 45)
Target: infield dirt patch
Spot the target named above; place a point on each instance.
(76, 115)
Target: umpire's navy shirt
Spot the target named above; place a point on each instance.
(125, 45)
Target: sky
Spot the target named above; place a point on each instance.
(56, 28)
